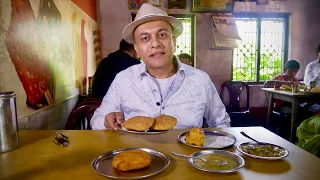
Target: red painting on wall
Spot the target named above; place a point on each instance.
(46, 50)
(34, 72)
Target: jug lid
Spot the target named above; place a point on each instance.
(8, 94)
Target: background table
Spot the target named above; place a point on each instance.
(295, 99)
(39, 158)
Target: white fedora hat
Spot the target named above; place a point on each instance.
(146, 13)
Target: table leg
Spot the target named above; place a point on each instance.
(294, 119)
(270, 109)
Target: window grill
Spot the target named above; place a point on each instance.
(244, 56)
(261, 53)
(184, 41)
(272, 48)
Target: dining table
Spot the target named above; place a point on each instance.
(39, 158)
(295, 98)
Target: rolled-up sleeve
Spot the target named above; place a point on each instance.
(215, 112)
(110, 103)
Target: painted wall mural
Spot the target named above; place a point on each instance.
(33, 70)
(46, 49)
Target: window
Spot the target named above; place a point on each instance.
(263, 50)
(184, 43)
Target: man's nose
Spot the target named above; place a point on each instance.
(155, 43)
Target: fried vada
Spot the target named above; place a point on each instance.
(195, 137)
(138, 123)
(164, 122)
(131, 159)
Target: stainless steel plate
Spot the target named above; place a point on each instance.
(150, 132)
(235, 157)
(213, 139)
(103, 165)
(263, 157)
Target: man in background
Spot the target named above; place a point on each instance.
(186, 59)
(110, 66)
(312, 72)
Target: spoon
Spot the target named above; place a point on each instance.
(245, 135)
(212, 162)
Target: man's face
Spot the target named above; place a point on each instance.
(185, 60)
(154, 44)
(292, 72)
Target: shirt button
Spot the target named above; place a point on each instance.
(163, 107)
(154, 90)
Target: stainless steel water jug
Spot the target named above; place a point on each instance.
(9, 137)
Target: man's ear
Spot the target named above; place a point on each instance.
(135, 48)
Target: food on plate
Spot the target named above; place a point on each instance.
(263, 150)
(131, 159)
(142, 123)
(195, 137)
(164, 122)
(316, 90)
(219, 141)
(302, 87)
(285, 87)
(231, 163)
(138, 123)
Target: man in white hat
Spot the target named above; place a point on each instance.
(161, 84)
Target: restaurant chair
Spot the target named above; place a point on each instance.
(80, 116)
(239, 115)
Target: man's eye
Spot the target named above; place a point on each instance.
(144, 38)
(162, 35)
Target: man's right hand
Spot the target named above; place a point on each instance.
(113, 120)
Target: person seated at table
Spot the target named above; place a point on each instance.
(291, 69)
(288, 77)
(110, 66)
(312, 72)
(161, 84)
(186, 59)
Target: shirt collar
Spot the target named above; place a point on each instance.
(142, 70)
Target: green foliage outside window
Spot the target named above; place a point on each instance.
(268, 68)
(261, 49)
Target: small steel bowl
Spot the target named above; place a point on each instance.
(234, 156)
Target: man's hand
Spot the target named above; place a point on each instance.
(113, 120)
